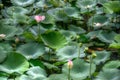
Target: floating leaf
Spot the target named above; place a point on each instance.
(112, 7)
(31, 50)
(54, 39)
(57, 77)
(112, 65)
(76, 29)
(7, 30)
(16, 9)
(101, 57)
(15, 63)
(112, 74)
(22, 3)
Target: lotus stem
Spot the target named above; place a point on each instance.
(90, 73)
(69, 74)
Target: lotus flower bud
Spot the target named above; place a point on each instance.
(70, 64)
(39, 18)
(2, 36)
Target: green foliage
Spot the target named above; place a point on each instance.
(85, 32)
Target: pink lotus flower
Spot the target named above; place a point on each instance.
(39, 18)
(70, 64)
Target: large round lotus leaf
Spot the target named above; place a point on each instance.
(48, 19)
(20, 18)
(68, 34)
(54, 39)
(58, 13)
(22, 3)
(57, 77)
(40, 4)
(31, 50)
(98, 21)
(107, 37)
(14, 63)
(67, 52)
(7, 30)
(6, 47)
(84, 4)
(71, 12)
(3, 78)
(101, 57)
(112, 65)
(34, 73)
(3, 55)
(37, 72)
(15, 9)
(112, 74)
(76, 29)
(93, 34)
(112, 7)
(80, 69)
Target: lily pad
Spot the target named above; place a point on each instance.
(101, 57)
(22, 3)
(3, 55)
(112, 74)
(7, 30)
(112, 65)
(31, 50)
(15, 63)
(17, 9)
(57, 77)
(54, 39)
(112, 7)
(80, 69)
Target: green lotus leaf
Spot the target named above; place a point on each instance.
(117, 38)
(34, 73)
(20, 18)
(15, 63)
(68, 52)
(16, 9)
(68, 34)
(98, 21)
(71, 12)
(6, 47)
(48, 19)
(3, 78)
(40, 4)
(107, 37)
(22, 3)
(112, 65)
(57, 77)
(76, 29)
(93, 34)
(7, 30)
(31, 50)
(112, 7)
(115, 45)
(85, 3)
(58, 13)
(37, 72)
(80, 69)
(54, 39)
(101, 57)
(112, 74)
(3, 55)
